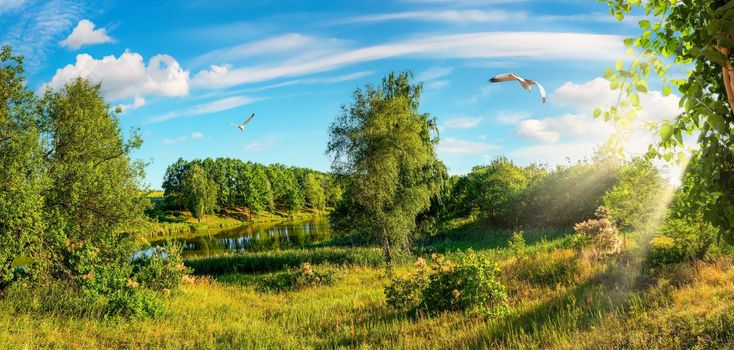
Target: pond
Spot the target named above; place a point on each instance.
(258, 237)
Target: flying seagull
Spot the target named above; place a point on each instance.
(242, 126)
(525, 83)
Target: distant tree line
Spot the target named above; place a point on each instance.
(202, 186)
(509, 195)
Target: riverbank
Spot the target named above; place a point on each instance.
(559, 300)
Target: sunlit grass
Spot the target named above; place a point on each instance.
(558, 299)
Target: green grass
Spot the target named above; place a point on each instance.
(280, 259)
(558, 299)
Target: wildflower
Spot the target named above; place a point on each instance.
(186, 279)
(181, 266)
(455, 293)
(88, 276)
(434, 256)
(446, 268)
(420, 262)
(132, 284)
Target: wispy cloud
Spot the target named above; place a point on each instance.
(281, 44)
(434, 73)
(194, 136)
(39, 27)
(206, 108)
(536, 45)
(452, 16)
(462, 123)
(10, 5)
(507, 117)
(261, 145)
(451, 145)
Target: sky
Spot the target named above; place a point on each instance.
(181, 71)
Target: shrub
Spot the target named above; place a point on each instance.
(468, 284)
(162, 270)
(135, 303)
(304, 276)
(517, 243)
(603, 233)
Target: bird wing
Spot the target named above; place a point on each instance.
(248, 119)
(540, 88)
(505, 77)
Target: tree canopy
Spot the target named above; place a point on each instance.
(698, 35)
(384, 148)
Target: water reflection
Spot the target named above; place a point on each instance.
(258, 237)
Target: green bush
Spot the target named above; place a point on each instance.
(304, 276)
(135, 303)
(664, 250)
(162, 270)
(517, 243)
(468, 284)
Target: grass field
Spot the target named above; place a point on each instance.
(558, 300)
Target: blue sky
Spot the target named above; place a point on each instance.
(183, 70)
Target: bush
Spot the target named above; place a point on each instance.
(304, 276)
(161, 271)
(517, 243)
(604, 235)
(135, 303)
(468, 284)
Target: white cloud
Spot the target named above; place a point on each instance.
(127, 76)
(135, 104)
(550, 130)
(458, 146)
(596, 93)
(215, 106)
(452, 16)
(511, 118)
(462, 123)
(194, 136)
(536, 45)
(434, 73)
(9, 5)
(85, 34)
(437, 84)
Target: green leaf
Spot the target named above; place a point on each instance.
(619, 16)
(666, 90)
(641, 86)
(628, 42)
(644, 24)
(635, 100)
(608, 73)
(597, 112)
(717, 122)
(666, 131)
(619, 64)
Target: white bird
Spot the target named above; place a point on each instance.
(525, 83)
(242, 126)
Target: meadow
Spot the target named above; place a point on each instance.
(558, 299)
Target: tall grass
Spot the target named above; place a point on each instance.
(279, 259)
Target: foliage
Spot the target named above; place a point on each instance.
(681, 239)
(313, 192)
(384, 148)
(498, 190)
(548, 269)
(695, 34)
(632, 201)
(304, 276)
(468, 284)
(255, 187)
(160, 271)
(198, 193)
(135, 303)
(21, 180)
(603, 233)
(517, 243)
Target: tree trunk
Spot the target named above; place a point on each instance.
(727, 71)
